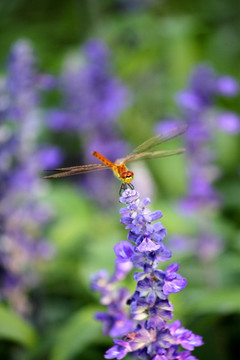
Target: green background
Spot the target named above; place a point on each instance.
(153, 50)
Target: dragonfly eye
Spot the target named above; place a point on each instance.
(129, 174)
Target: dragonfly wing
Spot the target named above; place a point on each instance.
(75, 170)
(159, 139)
(152, 155)
(89, 167)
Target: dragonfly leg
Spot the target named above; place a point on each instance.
(131, 186)
(122, 189)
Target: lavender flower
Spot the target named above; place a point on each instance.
(146, 331)
(22, 212)
(93, 100)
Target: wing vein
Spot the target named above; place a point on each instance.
(76, 170)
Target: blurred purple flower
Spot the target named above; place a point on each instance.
(49, 157)
(93, 97)
(229, 122)
(166, 125)
(21, 79)
(93, 100)
(197, 102)
(144, 328)
(22, 212)
(209, 246)
(47, 82)
(227, 86)
(199, 111)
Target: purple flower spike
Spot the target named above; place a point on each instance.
(145, 315)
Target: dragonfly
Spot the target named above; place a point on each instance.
(119, 168)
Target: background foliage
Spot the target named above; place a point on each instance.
(154, 46)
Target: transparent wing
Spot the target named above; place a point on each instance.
(89, 167)
(152, 155)
(158, 140)
(154, 142)
(75, 170)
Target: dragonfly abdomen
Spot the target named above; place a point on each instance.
(103, 159)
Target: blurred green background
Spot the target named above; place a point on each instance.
(154, 46)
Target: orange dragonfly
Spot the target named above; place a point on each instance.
(142, 152)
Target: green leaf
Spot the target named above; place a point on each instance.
(14, 328)
(81, 330)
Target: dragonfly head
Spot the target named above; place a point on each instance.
(127, 176)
